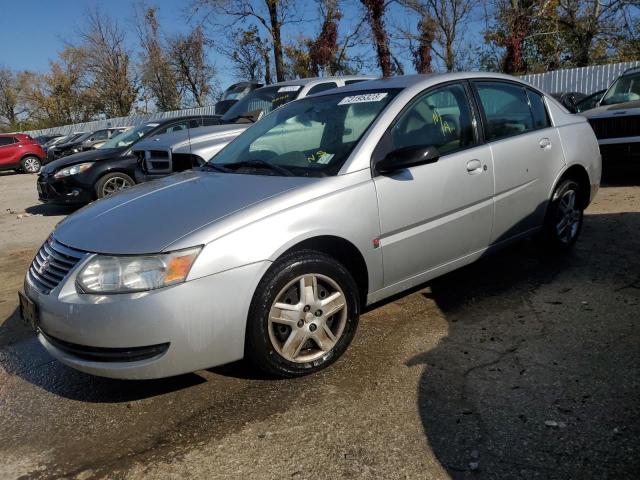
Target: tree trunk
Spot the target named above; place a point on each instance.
(375, 12)
(272, 5)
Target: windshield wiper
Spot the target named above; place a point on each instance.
(251, 118)
(258, 164)
(213, 166)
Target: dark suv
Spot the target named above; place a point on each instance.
(20, 152)
(83, 177)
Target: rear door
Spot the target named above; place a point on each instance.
(439, 212)
(527, 154)
(9, 151)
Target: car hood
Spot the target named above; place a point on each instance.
(626, 108)
(149, 217)
(88, 156)
(184, 138)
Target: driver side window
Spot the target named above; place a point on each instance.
(441, 118)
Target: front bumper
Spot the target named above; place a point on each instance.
(194, 325)
(64, 191)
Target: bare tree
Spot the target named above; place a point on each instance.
(374, 11)
(249, 55)
(188, 59)
(270, 15)
(323, 51)
(157, 76)
(107, 62)
(448, 17)
(422, 53)
(11, 107)
(586, 21)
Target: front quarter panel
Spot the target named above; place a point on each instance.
(343, 206)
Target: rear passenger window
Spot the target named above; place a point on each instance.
(538, 109)
(322, 87)
(506, 108)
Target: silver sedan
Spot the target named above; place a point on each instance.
(330, 203)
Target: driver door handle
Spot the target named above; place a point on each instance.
(474, 166)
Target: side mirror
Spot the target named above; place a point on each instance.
(407, 157)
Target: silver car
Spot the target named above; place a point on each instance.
(330, 203)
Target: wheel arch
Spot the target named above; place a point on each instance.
(579, 174)
(30, 154)
(344, 252)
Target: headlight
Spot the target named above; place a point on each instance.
(73, 170)
(125, 274)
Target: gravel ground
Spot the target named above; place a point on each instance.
(518, 366)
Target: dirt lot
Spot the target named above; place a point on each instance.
(519, 366)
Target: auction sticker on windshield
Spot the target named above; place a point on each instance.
(367, 97)
(289, 88)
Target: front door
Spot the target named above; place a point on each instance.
(9, 154)
(435, 213)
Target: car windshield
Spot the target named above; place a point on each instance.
(71, 138)
(310, 137)
(234, 93)
(590, 102)
(128, 137)
(625, 89)
(261, 101)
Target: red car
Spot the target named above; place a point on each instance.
(20, 152)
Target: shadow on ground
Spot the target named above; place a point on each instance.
(48, 210)
(539, 375)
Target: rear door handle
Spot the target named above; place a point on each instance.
(474, 166)
(545, 143)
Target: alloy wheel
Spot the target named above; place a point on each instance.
(115, 184)
(32, 165)
(307, 318)
(568, 217)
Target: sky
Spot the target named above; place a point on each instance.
(33, 32)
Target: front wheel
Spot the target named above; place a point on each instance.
(565, 214)
(112, 183)
(30, 164)
(303, 315)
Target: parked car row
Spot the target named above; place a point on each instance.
(80, 178)
(82, 142)
(273, 248)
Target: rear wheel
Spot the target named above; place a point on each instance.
(30, 164)
(112, 183)
(563, 222)
(303, 315)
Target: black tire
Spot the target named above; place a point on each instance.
(553, 237)
(259, 347)
(106, 180)
(30, 164)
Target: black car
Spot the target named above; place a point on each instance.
(43, 139)
(73, 145)
(83, 177)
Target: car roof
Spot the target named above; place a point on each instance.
(23, 136)
(310, 80)
(421, 81)
(162, 121)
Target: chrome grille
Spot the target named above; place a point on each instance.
(51, 265)
(616, 127)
